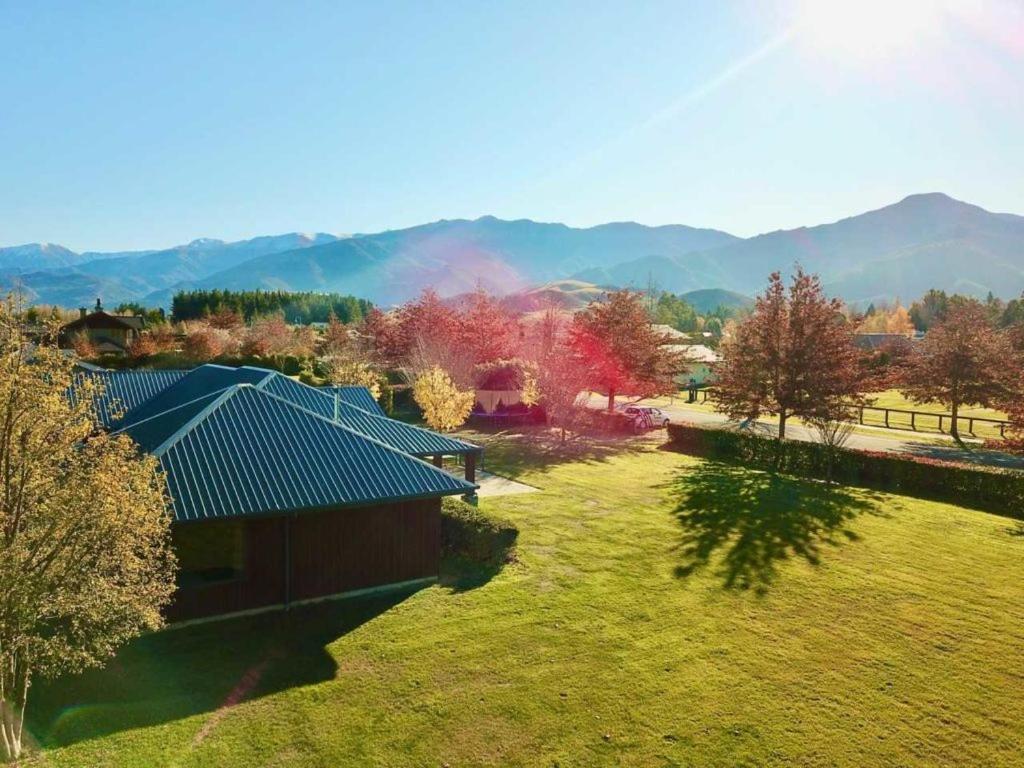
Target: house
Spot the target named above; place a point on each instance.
(699, 357)
(871, 342)
(282, 493)
(110, 334)
(700, 360)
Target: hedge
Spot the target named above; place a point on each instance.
(469, 534)
(988, 489)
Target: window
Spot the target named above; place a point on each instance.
(209, 552)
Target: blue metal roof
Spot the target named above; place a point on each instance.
(124, 390)
(397, 434)
(360, 397)
(244, 451)
(196, 383)
(405, 437)
(207, 379)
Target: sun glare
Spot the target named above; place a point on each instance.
(868, 31)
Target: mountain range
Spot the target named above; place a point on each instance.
(901, 250)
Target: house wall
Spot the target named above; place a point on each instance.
(700, 372)
(329, 553)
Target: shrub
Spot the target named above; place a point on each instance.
(469, 534)
(988, 489)
(445, 407)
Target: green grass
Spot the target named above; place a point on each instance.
(663, 611)
(897, 422)
(893, 399)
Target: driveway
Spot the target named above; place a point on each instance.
(888, 441)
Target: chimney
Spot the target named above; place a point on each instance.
(81, 313)
(99, 306)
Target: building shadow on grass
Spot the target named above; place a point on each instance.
(745, 523)
(202, 668)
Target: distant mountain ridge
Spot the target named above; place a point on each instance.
(900, 250)
(72, 279)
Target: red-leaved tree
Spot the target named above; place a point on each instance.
(963, 360)
(620, 351)
(792, 356)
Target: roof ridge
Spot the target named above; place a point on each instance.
(339, 403)
(188, 425)
(126, 427)
(357, 433)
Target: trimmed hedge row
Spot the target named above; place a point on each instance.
(467, 533)
(988, 489)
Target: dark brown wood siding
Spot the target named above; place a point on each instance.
(261, 583)
(330, 553)
(366, 547)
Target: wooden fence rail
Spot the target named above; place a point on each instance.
(943, 418)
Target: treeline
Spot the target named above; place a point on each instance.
(935, 305)
(297, 308)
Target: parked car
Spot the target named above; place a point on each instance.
(655, 416)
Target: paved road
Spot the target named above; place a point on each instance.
(889, 441)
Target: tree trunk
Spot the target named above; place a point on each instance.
(954, 429)
(14, 683)
(611, 400)
(782, 425)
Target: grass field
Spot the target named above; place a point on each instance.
(892, 399)
(663, 611)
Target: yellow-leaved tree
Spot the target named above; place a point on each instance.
(85, 558)
(444, 406)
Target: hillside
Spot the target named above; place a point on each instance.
(901, 250)
(710, 299)
(456, 256)
(78, 279)
(567, 295)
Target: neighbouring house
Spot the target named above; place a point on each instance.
(280, 492)
(109, 334)
(871, 342)
(700, 360)
(699, 357)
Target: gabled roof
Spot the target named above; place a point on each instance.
(101, 319)
(207, 379)
(397, 434)
(123, 391)
(194, 384)
(360, 397)
(696, 353)
(243, 451)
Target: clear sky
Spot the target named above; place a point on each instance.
(130, 125)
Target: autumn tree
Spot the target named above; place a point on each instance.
(561, 378)
(85, 558)
(1012, 399)
(486, 329)
(792, 356)
(445, 407)
(619, 350)
(961, 361)
(885, 319)
(345, 359)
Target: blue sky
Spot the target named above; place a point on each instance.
(129, 125)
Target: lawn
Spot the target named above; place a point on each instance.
(890, 398)
(893, 399)
(663, 611)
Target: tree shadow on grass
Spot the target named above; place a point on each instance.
(200, 668)
(747, 522)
